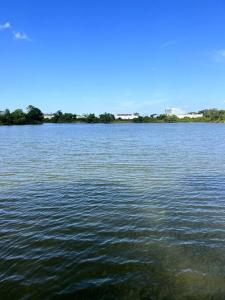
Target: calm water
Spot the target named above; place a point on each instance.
(112, 211)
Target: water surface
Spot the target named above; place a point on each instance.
(122, 211)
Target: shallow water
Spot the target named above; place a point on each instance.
(127, 211)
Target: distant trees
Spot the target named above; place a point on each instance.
(68, 117)
(156, 119)
(91, 118)
(5, 117)
(19, 117)
(34, 115)
(213, 115)
(106, 118)
(57, 117)
(60, 117)
(168, 119)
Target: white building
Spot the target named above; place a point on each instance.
(181, 114)
(173, 111)
(127, 116)
(191, 115)
(48, 116)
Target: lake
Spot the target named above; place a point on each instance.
(120, 211)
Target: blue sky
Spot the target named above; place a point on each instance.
(115, 55)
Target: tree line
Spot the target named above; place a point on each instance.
(60, 117)
(34, 115)
(209, 115)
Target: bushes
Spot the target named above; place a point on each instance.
(18, 117)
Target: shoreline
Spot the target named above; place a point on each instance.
(113, 123)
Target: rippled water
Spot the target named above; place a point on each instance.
(112, 211)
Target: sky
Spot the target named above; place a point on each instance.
(118, 56)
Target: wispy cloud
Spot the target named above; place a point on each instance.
(17, 35)
(219, 56)
(168, 44)
(4, 26)
(20, 36)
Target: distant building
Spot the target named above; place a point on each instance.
(48, 116)
(179, 113)
(84, 116)
(173, 111)
(127, 116)
(2, 113)
(191, 115)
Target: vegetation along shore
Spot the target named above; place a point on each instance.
(34, 115)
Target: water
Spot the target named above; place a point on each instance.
(133, 211)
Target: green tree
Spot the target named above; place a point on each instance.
(168, 119)
(57, 116)
(68, 118)
(140, 119)
(18, 117)
(91, 118)
(5, 118)
(34, 115)
(106, 118)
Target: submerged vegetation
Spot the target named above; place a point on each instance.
(34, 115)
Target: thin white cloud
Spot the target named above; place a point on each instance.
(4, 26)
(219, 56)
(168, 44)
(17, 35)
(20, 36)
